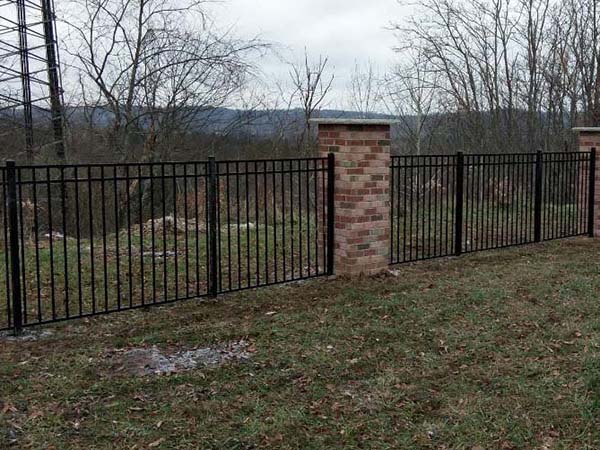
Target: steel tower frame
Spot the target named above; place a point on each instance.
(30, 76)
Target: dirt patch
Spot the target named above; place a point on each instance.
(142, 362)
(26, 335)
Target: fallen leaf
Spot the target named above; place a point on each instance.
(156, 443)
(35, 415)
(8, 408)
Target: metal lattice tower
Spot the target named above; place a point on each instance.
(30, 80)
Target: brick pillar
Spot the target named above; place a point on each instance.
(362, 192)
(588, 138)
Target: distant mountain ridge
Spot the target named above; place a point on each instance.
(257, 123)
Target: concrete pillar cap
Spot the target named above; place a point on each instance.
(354, 121)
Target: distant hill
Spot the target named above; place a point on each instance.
(258, 123)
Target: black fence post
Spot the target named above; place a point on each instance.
(537, 208)
(592, 193)
(330, 213)
(213, 281)
(13, 228)
(458, 210)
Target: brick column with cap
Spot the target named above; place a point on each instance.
(362, 192)
(589, 138)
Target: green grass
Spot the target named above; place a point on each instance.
(254, 261)
(495, 350)
(427, 228)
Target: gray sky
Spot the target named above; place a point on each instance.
(344, 30)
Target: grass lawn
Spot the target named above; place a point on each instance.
(494, 350)
(66, 278)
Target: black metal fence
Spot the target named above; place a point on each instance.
(82, 240)
(448, 205)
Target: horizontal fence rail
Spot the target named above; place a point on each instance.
(453, 204)
(100, 238)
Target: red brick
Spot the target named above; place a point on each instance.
(362, 196)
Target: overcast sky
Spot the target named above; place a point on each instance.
(344, 30)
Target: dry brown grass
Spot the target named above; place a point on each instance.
(496, 350)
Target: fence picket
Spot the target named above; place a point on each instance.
(13, 229)
(591, 192)
(212, 198)
(537, 215)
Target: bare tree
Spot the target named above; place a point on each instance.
(156, 67)
(280, 110)
(311, 85)
(516, 71)
(489, 57)
(364, 89)
(411, 95)
(533, 34)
